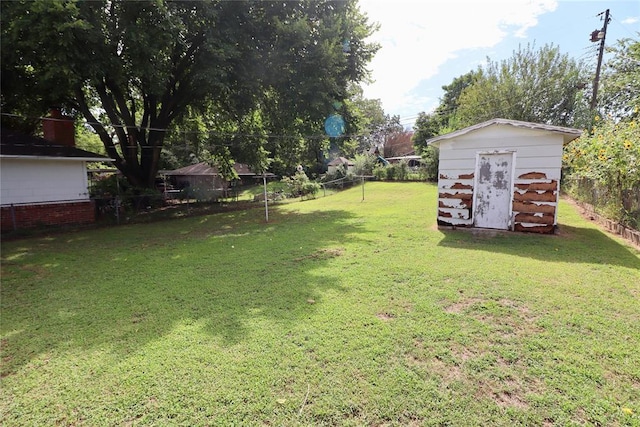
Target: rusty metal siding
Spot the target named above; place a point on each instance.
(455, 200)
(535, 202)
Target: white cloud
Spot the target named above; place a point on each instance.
(418, 37)
(630, 20)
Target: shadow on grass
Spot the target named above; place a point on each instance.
(571, 245)
(228, 275)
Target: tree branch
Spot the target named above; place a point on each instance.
(106, 139)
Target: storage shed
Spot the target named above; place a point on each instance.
(501, 174)
(334, 164)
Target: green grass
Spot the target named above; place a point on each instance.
(338, 311)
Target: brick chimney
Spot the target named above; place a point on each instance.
(59, 129)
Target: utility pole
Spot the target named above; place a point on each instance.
(595, 36)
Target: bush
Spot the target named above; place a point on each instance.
(299, 185)
(364, 164)
(105, 190)
(380, 172)
(429, 170)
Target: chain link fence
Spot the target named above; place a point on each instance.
(620, 205)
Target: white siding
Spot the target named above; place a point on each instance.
(539, 151)
(40, 180)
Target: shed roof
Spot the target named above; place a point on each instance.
(15, 144)
(569, 134)
(341, 161)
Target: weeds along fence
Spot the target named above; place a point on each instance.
(342, 183)
(125, 209)
(616, 204)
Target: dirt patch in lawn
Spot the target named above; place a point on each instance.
(386, 317)
(461, 306)
(322, 254)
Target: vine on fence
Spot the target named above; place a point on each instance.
(603, 169)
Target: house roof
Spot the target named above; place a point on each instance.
(407, 157)
(203, 169)
(14, 144)
(242, 169)
(199, 169)
(569, 134)
(341, 161)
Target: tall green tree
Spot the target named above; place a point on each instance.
(536, 85)
(133, 69)
(427, 126)
(373, 128)
(444, 118)
(620, 94)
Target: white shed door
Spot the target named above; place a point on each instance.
(493, 192)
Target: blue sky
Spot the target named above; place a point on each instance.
(426, 44)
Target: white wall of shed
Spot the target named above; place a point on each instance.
(42, 180)
(537, 151)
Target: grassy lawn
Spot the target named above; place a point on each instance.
(337, 312)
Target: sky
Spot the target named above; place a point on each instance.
(426, 44)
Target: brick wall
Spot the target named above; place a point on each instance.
(29, 216)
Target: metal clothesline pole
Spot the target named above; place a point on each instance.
(266, 204)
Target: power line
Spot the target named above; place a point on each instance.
(200, 132)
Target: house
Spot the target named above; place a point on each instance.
(501, 174)
(43, 181)
(204, 182)
(334, 164)
(412, 160)
(199, 181)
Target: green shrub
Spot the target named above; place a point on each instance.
(380, 172)
(299, 185)
(429, 169)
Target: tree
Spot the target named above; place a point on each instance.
(620, 94)
(427, 126)
(133, 69)
(372, 128)
(541, 86)
(602, 167)
(398, 144)
(444, 118)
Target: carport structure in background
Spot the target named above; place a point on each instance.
(501, 174)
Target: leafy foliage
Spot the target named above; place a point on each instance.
(540, 86)
(299, 185)
(364, 164)
(431, 157)
(609, 158)
(374, 128)
(603, 167)
(275, 67)
(620, 94)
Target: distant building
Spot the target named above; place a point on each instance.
(340, 161)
